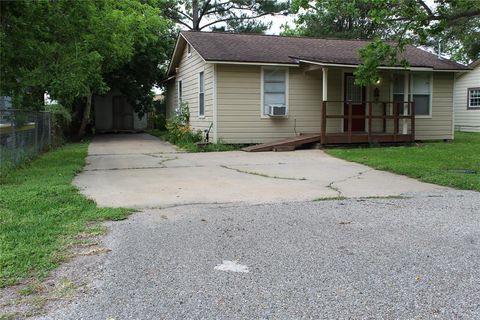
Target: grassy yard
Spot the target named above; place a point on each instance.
(193, 147)
(435, 162)
(41, 213)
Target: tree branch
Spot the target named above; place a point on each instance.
(233, 18)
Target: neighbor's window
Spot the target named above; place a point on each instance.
(421, 93)
(473, 98)
(179, 93)
(201, 94)
(274, 88)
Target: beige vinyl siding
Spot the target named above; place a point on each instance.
(466, 119)
(440, 125)
(188, 71)
(239, 105)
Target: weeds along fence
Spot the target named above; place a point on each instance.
(23, 134)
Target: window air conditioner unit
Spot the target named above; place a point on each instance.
(275, 110)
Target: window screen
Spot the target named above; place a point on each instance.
(474, 98)
(201, 94)
(274, 88)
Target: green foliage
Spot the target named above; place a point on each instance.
(73, 49)
(195, 147)
(61, 119)
(455, 24)
(178, 128)
(237, 16)
(433, 162)
(334, 18)
(40, 211)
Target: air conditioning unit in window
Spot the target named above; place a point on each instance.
(277, 110)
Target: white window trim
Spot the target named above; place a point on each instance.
(287, 80)
(429, 115)
(189, 50)
(201, 116)
(469, 106)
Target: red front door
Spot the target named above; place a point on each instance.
(354, 95)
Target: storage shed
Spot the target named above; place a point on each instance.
(113, 113)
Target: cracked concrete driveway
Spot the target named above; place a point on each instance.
(144, 172)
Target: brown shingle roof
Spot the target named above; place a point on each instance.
(236, 47)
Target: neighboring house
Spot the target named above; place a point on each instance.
(259, 88)
(113, 113)
(467, 99)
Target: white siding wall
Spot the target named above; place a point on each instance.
(188, 71)
(466, 119)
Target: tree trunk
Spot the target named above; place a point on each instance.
(195, 22)
(86, 116)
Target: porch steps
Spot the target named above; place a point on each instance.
(284, 144)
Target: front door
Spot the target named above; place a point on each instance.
(355, 95)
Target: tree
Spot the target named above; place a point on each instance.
(456, 22)
(334, 18)
(66, 48)
(239, 15)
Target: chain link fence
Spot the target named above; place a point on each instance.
(23, 134)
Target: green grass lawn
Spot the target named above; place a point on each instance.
(41, 212)
(434, 162)
(193, 147)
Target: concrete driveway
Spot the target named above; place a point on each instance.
(138, 170)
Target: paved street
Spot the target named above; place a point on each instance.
(415, 258)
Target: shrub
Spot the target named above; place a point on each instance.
(179, 131)
(61, 119)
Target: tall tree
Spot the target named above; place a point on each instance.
(67, 47)
(456, 22)
(334, 18)
(238, 15)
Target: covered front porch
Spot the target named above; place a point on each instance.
(383, 112)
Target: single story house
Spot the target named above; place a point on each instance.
(467, 99)
(113, 113)
(258, 88)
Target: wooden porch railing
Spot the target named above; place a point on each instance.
(350, 136)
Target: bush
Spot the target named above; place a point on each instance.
(179, 131)
(61, 119)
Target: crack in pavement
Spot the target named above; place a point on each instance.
(261, 174)
(337, 189)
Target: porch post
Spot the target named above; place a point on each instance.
(406, 105)
(325, 84)
(324, 105)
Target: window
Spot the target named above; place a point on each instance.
(201, 94)
(179, 93)
(274, 88)
(421, 93)
(354, 93)
(473, 98)
(189, 50)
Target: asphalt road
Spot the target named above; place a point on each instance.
(412, 258)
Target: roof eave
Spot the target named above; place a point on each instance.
(347, 65)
